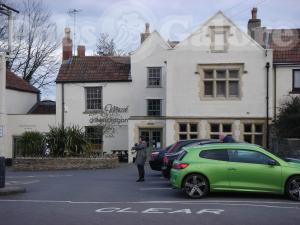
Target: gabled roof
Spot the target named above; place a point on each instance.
(285, 44)
(43, 107)
(95, 69)
(154, 39)
(228, 21)
(15, 82)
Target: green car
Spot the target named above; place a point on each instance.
(234, 167)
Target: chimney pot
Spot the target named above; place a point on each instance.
(146, 34)
(81, 50)
(254, 13)
(147, 26)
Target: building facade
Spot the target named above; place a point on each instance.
(20, 110)
(219, 79)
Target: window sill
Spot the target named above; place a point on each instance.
(154, 87)
(294, 92)
(92, 111)
(207, 98)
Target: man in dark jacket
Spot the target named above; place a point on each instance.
(141, 157)
(226, 139)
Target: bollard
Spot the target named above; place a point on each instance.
(2, 172)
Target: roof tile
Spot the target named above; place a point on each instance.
(95, 69)
(285, 44)
(17, 83)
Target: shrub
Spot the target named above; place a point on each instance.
(32, 143)
(68, 141)
(288, 123)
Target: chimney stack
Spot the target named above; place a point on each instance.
(254, 25)
(67, 44)
(145, 35)
(80, 50)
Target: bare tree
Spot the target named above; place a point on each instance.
(106, 46)
(34, 51)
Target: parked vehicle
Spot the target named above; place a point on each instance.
(169, 158)
(156, 160)
(234, 167)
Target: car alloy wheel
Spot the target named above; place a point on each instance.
(293, 188)
(195, 186)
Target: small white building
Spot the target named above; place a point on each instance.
(219, 79)
(20, 110)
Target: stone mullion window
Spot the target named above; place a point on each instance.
(254, 133)
(221, 82)
(188, 131)
(217, 128)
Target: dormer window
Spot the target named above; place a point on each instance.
(219, 38)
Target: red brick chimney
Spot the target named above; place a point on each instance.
(67, 44)
(81, 50)
(146, 34)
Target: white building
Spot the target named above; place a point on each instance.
(213, 81)
(20, 110)
(195, 89)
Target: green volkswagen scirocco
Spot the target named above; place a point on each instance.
(234, 167)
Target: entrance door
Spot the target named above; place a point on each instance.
(153, 137)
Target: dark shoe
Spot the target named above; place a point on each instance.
(140, 180)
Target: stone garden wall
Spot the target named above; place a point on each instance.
(35, 164)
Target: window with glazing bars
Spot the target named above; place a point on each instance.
(254, 133)
(93, 98)
(221, 83)
(188, 131)
(154, 76)
(217, 128)
(95, 137)
(154, 107)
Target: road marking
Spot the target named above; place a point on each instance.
(225, 203)
(21, 182)
(38, 176)
(158, 188)
(159, 211)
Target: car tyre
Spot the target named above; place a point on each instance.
(195, 186)
(292, 188)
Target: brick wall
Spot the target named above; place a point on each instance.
(34, 164)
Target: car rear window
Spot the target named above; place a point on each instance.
(181, 155)
(221, 155)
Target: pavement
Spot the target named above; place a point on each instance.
(11, 189)
(112, 196)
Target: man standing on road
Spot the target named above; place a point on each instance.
(141, 157)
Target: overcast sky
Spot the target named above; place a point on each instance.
(175, 19)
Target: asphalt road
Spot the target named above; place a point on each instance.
(113, 197)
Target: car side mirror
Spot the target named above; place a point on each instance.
(272, 162)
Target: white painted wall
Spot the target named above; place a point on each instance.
(284, 83)
(19, 102)
(3, 123)
(18, 124)
(116, 93)
(184, 85)
(152, 53)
